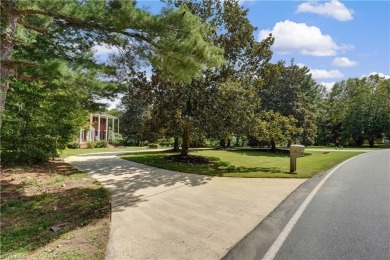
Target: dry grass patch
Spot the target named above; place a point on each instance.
(34, 199)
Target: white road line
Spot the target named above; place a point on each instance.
(273, 250)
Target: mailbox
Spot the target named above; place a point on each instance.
(296, 150)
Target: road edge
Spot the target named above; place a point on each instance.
(268, 231)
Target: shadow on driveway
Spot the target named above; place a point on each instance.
(131, 183)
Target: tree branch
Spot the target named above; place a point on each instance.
(28, 78)
(35, 28)
(13, 64)
(81, 23)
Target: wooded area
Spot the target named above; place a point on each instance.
(210, 80)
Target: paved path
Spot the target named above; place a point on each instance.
(161, 214)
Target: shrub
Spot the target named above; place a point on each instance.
(133, 142)
(38, 121)
(116, 139)
(91, 144)
(101, 144)
(27, 149)
(73, 145)
(165, 142)
(116, 142)
(153, 146)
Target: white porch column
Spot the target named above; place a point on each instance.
(90, 135)
(106, 137)
(113, 129)
(98, 138)
(80, 135)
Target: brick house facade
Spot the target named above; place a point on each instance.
(100, 125)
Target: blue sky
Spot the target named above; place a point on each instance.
(335, 39)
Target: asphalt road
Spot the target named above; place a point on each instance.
(348, 218)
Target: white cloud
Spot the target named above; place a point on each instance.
(323, 74)
(298, 37)
(379, 73)
(333, 9)
(343, 62)
(328, 85)
(241, 2)
(326, 74)
(111, 102)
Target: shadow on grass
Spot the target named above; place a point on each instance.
(262, 152)
(25, 221)
(217, 167)
(221, 168)
(267, 153)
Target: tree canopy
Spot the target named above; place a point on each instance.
(174, 41)
(218, 102)
(359, 110)
(48, 63)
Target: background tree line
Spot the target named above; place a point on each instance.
(354, 111)
(210, 80)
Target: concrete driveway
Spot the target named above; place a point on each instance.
(161, 214)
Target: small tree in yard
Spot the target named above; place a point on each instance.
(272, 126)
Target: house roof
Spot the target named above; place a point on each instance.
(102, 114)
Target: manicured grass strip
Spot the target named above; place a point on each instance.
(71, 152)
(363, 148)
(247, 163)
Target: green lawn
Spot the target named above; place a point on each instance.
(70, 152)
(247, 163)
(363, 148)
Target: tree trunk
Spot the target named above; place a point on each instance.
(228, 143)
(222, 143)
(176, 144)
(358, 140)
(9, 21)
(237, 140)
(371, 141)
(304, 138)
(186, 140)
(3, 94)
(273, 144)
